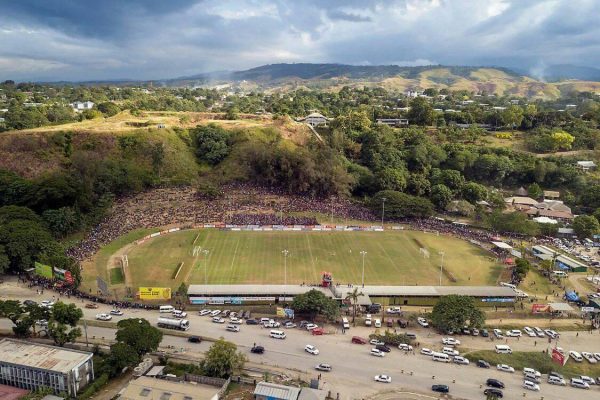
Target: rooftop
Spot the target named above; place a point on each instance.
(145, 388)
(275, 391)
(41, 356)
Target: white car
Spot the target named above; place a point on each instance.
(383, 378)
(597, 356)
(234, 320)
(394, 310)
(498, 333)
(426, 351)
(551, 333)
(323, 367)
(204, 312)
(514, 333)
(218, 320)
(405, 347)
(532, 371)
(103, 317)
(214, 313)
(589, 356)
(578, 383)
(179, 314)
(587, 379)
(41, 322)
(450, 351)
(423, 322)
(233, 328)
(376, 342)
(377, 353)
(309, 348)
(116, 312)
(539, 332)
(310, 327)
(530, 332)
(505, 368)
(450, 341)
(460, 360)
(47, 304)
(290, 325)
(531, 386)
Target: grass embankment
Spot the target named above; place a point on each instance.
(537, 360)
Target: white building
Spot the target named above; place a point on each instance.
(586, 165)
(315, 119)
(82, 105)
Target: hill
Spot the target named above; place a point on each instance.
(497, 80)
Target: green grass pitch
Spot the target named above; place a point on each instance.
(244, 257)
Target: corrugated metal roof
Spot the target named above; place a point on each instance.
(275, 391)
(41, 356)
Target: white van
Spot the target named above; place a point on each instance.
(377, 323)
(555, 380)
(165, 309)
(345, 323)
(441, 357)
(575, 356)
(277, 334)
(560, 274)
(450, 351)
(503, 349)
(368, 320)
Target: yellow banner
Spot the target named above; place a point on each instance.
(154, 293)
(280, 312)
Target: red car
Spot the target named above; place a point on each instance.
(359, 340)
(318, 331)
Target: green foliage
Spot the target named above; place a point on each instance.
(139, 334)
(94, 387)
(62, 221)
(68, 314)
(109, 108)
(511, 222)
(474, 192)
(401, 205)
(441, 196)
(421, 112)
(61, 334)
(121, 356)
(211, 143)
(391, 338)
(522, 267)
(534, 191)
(586, 226)
(455, 312)
(222, 359)
(315, 303)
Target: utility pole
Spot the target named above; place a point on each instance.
(285, 255)
(441, 266)
(382, 210)
(87, 344)
(205, 266)
(363, 254)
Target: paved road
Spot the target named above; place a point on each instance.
(353, 366)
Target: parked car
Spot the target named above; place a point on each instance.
(257, 349)
(589, 356)
(530, 332)
(377, 353)
(317, 331)
(359, 340)
(493, 392)
(514, 333)
(251, 322)
(394, 310)
(450, 351)
(88, 305)
(532, 371)
(309, 348)
(485, 333)
(310, 327)
(383, 378)
(29, 303)
(426, 351)
(440, 388)
(578, 383)
(375, 342)
(495, 383)
(474, 332)
(505, 368)
(483, 364)
(551, 333)
(233, 328)
(103, 317)
(49, 304)
(460, 360)
(554, 380)
(194, 339)
(383, 348)
(498, 334)
(539, 332)
(323, 367)
(290, 325)
(423, 322)
(588, 380)
(179, 314)
(405, 347)
(529, 385)
(403, 323)
(204, 312)
(450, 341)
(214, 313)
(116, 312)
(218, 320)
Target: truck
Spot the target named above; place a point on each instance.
(172, 323)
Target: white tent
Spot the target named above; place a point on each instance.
(545, 220)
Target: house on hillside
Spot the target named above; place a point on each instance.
(586, 166)
(315, 119)
(82, 105)
(393, 122)
(551, 195)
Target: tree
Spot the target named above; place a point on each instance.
(315, 303)
(441, 196)
(62, 221)
(353, 296)
(512, 116)
(401, 205)
(222, 359)
(453, 312)
(139, 334)
(68, 314)
(534, 191)
(391, 179)
(232, 113)
(109, 108)
(211, 143)
(474, 192)
(61, 334)
(421, 112)
(586, 226)
(562, 140)
(522, 267)
(121, 356)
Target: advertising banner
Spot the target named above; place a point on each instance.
(558, 357)
(43, 270)
(63, 275)
(538, 308)
(154, 293)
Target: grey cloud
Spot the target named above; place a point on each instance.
(346, 16)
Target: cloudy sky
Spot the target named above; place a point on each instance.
(152, 39)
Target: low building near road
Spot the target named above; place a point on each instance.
(149, 388)
(30, 366)
(274, 391)
(567, 263)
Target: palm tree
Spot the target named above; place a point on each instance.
(353, 297)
